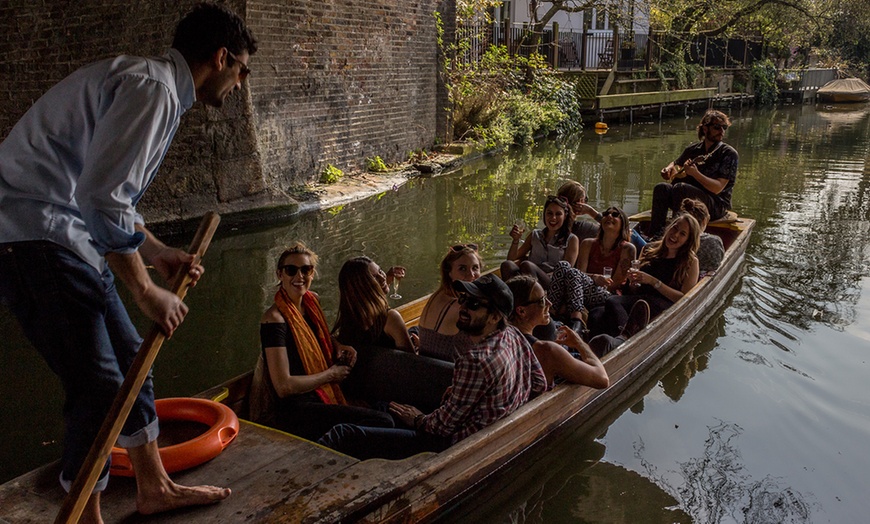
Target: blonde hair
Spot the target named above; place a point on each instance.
(299, 248)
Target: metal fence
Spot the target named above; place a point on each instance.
(600, 50)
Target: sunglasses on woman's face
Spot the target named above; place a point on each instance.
(472, 303)
(538, 302)
(613, 213)
(291, 269)
(460, 247)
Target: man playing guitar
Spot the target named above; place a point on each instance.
(706, 170)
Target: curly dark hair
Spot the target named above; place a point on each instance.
(209, 27)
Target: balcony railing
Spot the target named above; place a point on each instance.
(599, 50)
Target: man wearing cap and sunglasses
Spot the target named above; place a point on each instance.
(495, 372)
(705, 171)
(71, 173)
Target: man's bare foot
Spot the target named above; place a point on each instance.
(173, 496)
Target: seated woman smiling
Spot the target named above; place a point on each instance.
(532, 309)
(296, 382)
(668, 270)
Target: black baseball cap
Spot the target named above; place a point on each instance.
(491, 288)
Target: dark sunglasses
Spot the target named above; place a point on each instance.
(540, 302)
(472, 303)
(718, 127)
(559, 199)
(614, 214)
(291, 269)
(244, 70)
(460, 247)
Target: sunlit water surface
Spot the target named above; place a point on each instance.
(764, 419)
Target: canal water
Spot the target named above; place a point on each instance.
(765, 418)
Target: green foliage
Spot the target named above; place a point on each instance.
(376, 164)
(677, 74)
(331, 174)
(694, 75)
(764, 79)
(507, 99)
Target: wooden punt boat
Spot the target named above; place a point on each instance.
(277, 477)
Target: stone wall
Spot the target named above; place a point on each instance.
(334, 82)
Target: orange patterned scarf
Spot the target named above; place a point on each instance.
(315, 349)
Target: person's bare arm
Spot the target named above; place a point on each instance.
(571, 249)
(158, 304)
(518, 251)
(395, 328)
(713, 185)
(287, 384)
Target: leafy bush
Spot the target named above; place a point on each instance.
(331, 174)
(764, 80)
(376, 164)
(508, 99)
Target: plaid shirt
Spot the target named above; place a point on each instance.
(491, 379)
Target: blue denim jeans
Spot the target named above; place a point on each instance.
(365, 442)
(74, 317)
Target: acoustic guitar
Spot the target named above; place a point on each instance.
(697, 161)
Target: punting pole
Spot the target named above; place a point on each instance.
(77, 498)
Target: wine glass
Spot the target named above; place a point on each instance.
(635, 267)
(396, 295)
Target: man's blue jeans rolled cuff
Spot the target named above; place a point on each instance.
(73, 316)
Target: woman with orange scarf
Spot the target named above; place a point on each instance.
(302, 363)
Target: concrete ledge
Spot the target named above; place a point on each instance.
(654, 98)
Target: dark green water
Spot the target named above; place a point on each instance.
(764, 420)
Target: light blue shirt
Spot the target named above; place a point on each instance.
(74, 167)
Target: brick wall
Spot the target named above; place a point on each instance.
(334, 82)
(338, 81)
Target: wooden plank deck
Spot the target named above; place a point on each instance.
(264, 468)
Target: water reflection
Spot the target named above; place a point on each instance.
(813, 216)
(574, 487)
(716, 487)
(674, 383)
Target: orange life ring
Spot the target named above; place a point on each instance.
(223, 426)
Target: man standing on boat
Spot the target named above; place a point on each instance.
(705, 171)
(71, 173)
(495, 373)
